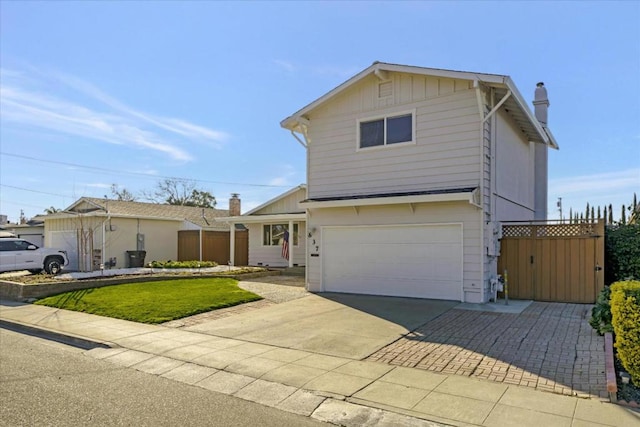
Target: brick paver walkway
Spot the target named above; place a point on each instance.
(549, 346)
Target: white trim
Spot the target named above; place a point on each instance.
(262, 218)
(394, 200)
(384, 118)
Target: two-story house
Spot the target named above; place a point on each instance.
(410, 172)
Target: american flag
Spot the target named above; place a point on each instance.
(285, 245)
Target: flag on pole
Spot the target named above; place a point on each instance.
(285, 245)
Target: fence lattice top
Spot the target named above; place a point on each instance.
(550, 230)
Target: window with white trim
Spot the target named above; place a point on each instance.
(272, 234)
(386, 131)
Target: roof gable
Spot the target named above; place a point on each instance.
(514, 103)
(286, 202)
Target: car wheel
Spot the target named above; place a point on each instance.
(35, 271)
(52, 266)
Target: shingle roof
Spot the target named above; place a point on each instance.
(203, 217)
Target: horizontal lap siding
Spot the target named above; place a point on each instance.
(445, 154)
(288, 204)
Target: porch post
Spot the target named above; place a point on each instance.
(291, 243)
(232, 244)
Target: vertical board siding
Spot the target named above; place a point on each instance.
(287, 204)
(557, 264)
(445, 154)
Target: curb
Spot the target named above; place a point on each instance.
(64, 338)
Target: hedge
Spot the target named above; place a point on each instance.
(625, 311)
(622, 253)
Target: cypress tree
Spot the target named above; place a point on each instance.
(599, 213)
(593, 213)
(570, 216)
(623, 218)
(610, 214)
(586, 214)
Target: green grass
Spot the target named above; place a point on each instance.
(154, 302)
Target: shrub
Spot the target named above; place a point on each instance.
(601, 312)
(625, 310)
(181, 264)
(622, 253)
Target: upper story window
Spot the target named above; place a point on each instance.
(386, 130)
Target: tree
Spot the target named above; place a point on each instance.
(51, 210)
(183, 192)
(123, 195)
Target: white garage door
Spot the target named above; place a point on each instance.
(67, 240)
(422, 261)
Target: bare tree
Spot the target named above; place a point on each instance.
(122, 195)
(183, 192)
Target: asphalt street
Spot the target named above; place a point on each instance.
(48, 383)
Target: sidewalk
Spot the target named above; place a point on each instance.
(328, 388)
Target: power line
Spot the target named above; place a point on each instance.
(148, 175)
(48, 193)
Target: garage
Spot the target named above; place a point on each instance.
(421, 261)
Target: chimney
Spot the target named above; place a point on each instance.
(234, 205)
(541, 103)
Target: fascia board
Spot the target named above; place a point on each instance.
(396, 200)
(242, 219)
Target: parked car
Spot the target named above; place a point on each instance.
(19, 254)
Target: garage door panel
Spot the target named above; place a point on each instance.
(416, 261)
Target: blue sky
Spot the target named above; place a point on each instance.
(126, 93)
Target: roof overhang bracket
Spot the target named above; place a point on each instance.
(302, 130)
(498, 105)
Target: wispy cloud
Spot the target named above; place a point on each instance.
(600, 182)
(24, 102)
(287, 172)
(341, 71)
(98, 185)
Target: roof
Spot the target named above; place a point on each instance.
(277, 198)
(202, 217)
(515, 105)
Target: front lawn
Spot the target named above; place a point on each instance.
(154, 302)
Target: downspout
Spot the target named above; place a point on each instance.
(481, 115)
(200, 238)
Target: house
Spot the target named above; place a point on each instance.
(109, 232)
(410, 172)
(32, 231)
(267, 225)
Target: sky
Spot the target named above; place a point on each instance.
(130, 93)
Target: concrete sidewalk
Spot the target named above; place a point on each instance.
(329, 388)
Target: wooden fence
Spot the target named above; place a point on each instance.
(215, 246)
(553, 262)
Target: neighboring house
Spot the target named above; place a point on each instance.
(267, 224)
(32, 231)
(410, 172)
(101, 231)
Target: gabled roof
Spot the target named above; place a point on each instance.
(202, 217)
(277, 198)
(515, 104)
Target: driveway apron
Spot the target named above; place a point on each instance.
(343, 325)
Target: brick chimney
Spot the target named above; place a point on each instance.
(234, 205)
(541, 103)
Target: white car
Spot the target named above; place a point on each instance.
(18, 254)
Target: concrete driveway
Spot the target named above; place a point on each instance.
(343, 325)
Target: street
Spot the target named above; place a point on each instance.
(47, 383)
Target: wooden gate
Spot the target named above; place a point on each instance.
(553, 262)
(215, 246)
